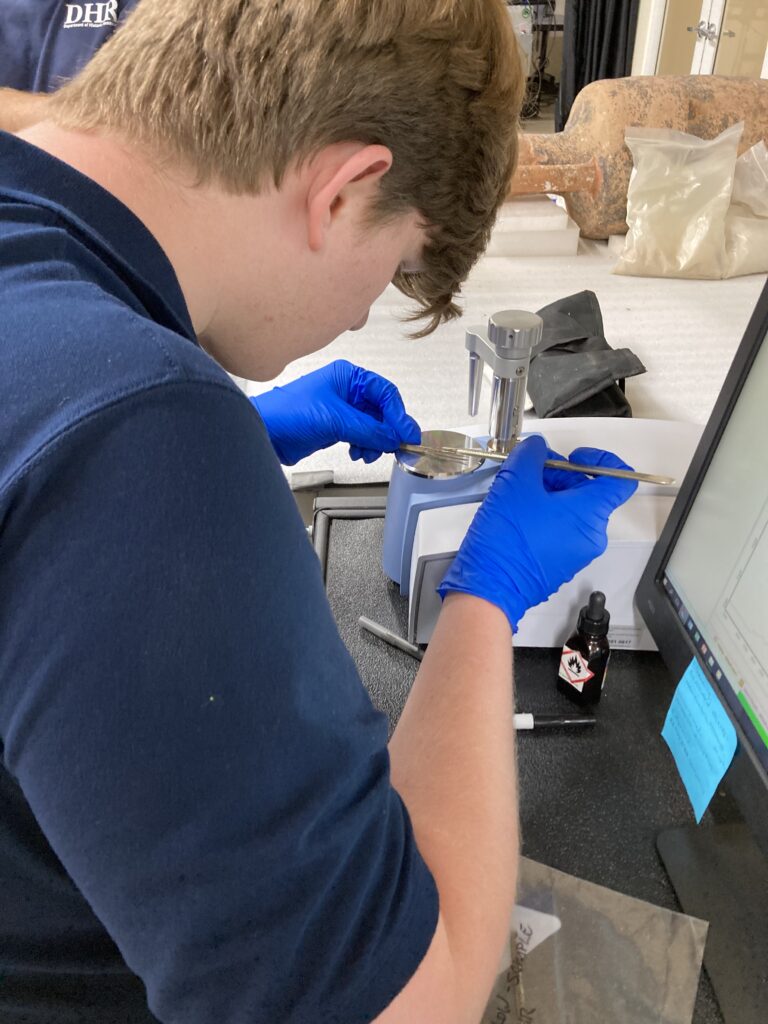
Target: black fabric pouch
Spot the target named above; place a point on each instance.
(574, 371)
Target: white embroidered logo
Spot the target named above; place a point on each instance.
(93, 15)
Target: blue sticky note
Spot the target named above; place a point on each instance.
(700, 735)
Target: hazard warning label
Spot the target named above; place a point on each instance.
(573, 668)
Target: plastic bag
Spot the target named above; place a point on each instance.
(746, 223)
(582, 954)
(679, 193)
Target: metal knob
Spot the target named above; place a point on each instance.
(514, 330)
(704, 30)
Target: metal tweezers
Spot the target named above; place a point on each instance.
(481, 453)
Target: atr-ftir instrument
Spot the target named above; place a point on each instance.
(420, 481)
(436, 488)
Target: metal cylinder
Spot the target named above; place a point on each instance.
(506, 419)
(513, 333)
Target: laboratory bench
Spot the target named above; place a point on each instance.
(592, 800)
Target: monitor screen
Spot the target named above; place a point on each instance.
(717, 572)
(704, 594)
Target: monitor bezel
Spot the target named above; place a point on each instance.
(746, 779)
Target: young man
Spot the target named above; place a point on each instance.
(202, 820)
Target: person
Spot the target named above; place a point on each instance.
(39, 52)
(203, 819)
(44, 43)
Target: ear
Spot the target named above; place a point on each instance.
(339, 175)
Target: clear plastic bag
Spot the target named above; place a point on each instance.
(679, 195)
(582, 954)
(746, 223)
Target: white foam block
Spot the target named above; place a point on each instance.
(563, 241)
(531, 213)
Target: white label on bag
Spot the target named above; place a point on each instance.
(573, 668)
(529, 929)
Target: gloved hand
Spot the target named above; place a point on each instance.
(536, 528)
(341, 402)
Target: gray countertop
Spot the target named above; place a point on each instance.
(591, 803)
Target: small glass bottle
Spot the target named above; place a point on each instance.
(584, 660)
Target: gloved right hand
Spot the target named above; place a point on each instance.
(536, 528)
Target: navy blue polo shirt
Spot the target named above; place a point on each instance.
(194, 787)
(45, 42)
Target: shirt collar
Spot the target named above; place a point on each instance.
(31, 175)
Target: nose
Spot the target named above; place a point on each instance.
(361, 322)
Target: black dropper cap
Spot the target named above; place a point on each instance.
(593, 617)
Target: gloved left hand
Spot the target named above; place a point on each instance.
(341, 402)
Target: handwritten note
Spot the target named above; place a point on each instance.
(700, 735)
(529, 929)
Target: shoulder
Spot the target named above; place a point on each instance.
(70, 352)
(77, 336)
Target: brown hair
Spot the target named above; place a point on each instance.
(239, 89)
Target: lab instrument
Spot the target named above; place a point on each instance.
(420, 481)
(433, 494)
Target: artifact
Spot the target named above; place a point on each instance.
(588, 162)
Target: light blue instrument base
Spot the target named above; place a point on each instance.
(408, 496)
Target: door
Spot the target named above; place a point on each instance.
(743, 40)
(679, 37)
(722, 37)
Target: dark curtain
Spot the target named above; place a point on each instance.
(598, 40)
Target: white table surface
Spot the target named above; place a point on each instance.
(685, 333)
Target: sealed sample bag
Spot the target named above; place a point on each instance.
(693, 209)
(746, 224)
(582, 954)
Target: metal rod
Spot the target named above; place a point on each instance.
(390, 638)
(481, 453)
(621, 474)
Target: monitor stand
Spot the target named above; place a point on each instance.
(720, 875)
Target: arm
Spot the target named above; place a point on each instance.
(452, 752)
(19, 110)
(453, 763)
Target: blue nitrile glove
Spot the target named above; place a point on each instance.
(341, 402)
(536, 528)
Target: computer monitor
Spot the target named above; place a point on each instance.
(704, 595)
